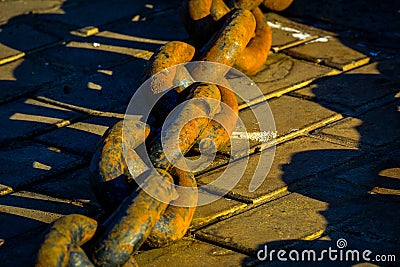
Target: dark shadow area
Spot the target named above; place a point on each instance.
(370, 21)
(77, 74)
(96, 72)
(362, 196)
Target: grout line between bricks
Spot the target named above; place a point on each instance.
(26, 186)
(241, 209)
(302, 131)
(29, 52)
(350, 66)
(69, 106)
(211, 239)
(277, 49)
(201, 222)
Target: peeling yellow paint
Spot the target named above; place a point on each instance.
(270, 195)
(12, 58)
(356, 64)
(86, 31)
(41, 166)
(314, 236)
(201, 221)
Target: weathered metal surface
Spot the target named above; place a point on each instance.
(130, 225)
(167, 56)
(277, 5)
(221, 127)
(176, 220)
(170, 54)
(109, 173)
(255, 55)
(246, 4)
(218, 9)
(198, 21)
(226, 46)
(69, 230)
(183, 131)
(78, 258)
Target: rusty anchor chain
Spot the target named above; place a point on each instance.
(234, 33)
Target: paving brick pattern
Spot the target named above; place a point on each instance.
(69, 68)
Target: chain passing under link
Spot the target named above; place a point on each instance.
(234, 33)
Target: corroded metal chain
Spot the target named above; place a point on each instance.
(236, 34)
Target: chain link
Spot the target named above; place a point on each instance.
(234, 33)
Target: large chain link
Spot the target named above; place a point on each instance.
(234, 33)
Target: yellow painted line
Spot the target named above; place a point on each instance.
(384, 191)
(12, 58)
(5, 190)
(118, 115)
(270, 195)
(34, 118)
(356, 64)
(314, 236)
(33, 214)
(22, 54)
(333, 72)
(201, 221)
(86, 31)
(63, 123)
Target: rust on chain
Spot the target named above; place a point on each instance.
(130, 225)
(245, 4)
(277, 5)
(170, 54)
(199, 8)
(240, 37)
(222, 125)
(227, 44)
(176, 220)
(202, 18)
(109, 174)
(255, 55)
(78, 258)
(218, 9)
(184, 130)
(69, 230)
